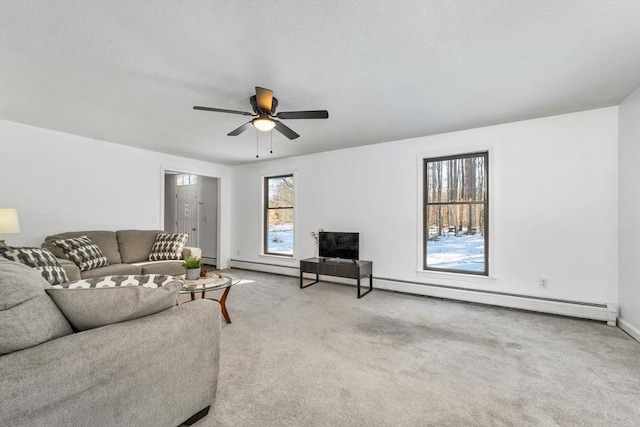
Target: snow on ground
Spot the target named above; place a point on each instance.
(281, 239)
(462, 252)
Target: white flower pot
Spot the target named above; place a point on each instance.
(192, 274)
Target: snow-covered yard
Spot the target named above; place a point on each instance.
(461, 252)
(281, 239)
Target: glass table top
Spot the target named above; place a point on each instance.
(212, 282)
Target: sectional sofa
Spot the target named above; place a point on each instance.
(127, 252)
(149, 367)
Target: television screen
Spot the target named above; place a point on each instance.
(339, 245)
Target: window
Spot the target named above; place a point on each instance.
(456, 211)
(186, 180)
(278, 215)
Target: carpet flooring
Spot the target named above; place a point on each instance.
(322, 357)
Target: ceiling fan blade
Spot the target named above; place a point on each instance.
(318, 114)
(241, 129)
(220, 110)
(264, 98)
(280, 127)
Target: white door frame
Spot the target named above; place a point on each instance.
(163, 171)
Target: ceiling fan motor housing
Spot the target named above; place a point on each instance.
(254, 105)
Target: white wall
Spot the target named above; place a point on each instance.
(554, 198)
(629, 213)
(61, 182)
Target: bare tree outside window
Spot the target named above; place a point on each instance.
(278, 215)
(456, 209)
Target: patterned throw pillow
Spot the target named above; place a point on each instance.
(91, 303)
(168, 246)
(145, 280)
(83, 252)
(41, 260)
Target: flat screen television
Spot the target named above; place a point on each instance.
(339, 245)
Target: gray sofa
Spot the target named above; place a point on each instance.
(126, 250)
(156, 370)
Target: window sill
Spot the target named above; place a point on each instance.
(456, 276)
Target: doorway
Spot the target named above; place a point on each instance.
(191, 206)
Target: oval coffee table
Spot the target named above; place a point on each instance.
(213, 282)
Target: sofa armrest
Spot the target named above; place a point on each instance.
(187, 252)
(156, 370)
(72, 270)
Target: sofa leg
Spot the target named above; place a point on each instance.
(198, 416)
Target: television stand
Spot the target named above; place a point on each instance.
(352, 270)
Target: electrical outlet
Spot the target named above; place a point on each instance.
(544, 283)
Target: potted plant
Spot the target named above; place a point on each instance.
(192, 265)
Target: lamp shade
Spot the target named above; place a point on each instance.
(9, 221)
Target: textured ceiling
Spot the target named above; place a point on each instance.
(129, 72)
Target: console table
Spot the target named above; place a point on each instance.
(343, 268)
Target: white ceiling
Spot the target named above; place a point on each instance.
(129, 72)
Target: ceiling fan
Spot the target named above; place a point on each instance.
(264, 109)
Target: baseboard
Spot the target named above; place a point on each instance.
(603, 312)
(629, 329)
(209, 260)
(265, 267)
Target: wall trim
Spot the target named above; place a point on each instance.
(629, 329)
(605, 312)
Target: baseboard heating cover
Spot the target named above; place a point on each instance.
(605, 312)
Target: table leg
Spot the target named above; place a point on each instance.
(312, 283)
(193, 296)
(223, 305)
(370, 286)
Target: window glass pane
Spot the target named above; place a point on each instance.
(456, 180)
(455, 237)
(279, 215)
(186, 180)
(281, 192)
(280, 231)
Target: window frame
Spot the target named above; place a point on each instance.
(265, 216)
(485, 203)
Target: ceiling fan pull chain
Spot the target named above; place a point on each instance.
(271, 150)
(257, 156)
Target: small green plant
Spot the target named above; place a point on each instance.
(191, 263)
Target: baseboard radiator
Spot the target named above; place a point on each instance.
(604, 312)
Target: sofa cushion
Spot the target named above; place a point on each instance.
(168, 246)
(135, 245)
(112, 270)
(41, 260)
(173, 268)
(91, 303)
(106, 241)
(28, 317)
(83, 252)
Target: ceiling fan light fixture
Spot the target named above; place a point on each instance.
(264, 124)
